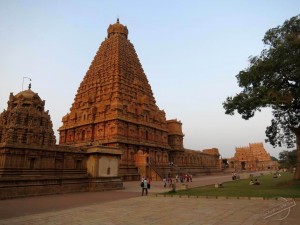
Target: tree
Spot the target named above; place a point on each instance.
(272, 80)
(288, 159)
(274, 158)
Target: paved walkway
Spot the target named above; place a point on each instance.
(129, 207)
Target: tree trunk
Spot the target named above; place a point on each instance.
(297, 173)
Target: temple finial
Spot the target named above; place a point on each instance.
(23, 81)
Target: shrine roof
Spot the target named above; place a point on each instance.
(27, 95)
(117, 28)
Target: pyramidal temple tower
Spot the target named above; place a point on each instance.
(115, 107)
(114, 103)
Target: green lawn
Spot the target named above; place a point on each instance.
(269, 187)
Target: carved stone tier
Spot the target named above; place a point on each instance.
(115, 101)
(25, 121)
(114, 107)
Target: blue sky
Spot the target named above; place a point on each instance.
(191, 52)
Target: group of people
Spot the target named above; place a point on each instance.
(184, 178)
(167, 182)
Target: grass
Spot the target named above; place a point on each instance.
(269, 187)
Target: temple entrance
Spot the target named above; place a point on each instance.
(243, 164)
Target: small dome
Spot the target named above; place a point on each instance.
(27, 94)
(25, 99)
(28, 97)
(117, 28)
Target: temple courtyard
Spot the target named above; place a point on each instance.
(129, 207)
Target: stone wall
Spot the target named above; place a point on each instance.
(33, 186)
(28, 171)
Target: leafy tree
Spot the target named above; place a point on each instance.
(288, 159)
(274, 158)
(273, 80)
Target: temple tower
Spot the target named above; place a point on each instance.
(253, 157)
(25, 122)
(114, 104)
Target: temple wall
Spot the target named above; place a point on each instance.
(103, 161)
(108, 166)
(31, 171)
(15, 188)
(122, 131)
(21, 160)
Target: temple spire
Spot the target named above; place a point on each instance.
(114, 87)
(117, 28)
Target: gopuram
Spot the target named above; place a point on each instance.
(252, 158)
(113, 132)
(114, 106)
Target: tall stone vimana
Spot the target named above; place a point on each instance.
(114, 106)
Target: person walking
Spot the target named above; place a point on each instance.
(145, 187)
(165, 182)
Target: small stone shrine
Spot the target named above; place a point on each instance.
(32, 164)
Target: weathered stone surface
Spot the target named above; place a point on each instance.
(115, 106)
(114, 102)
(25, 121)
(32, 164)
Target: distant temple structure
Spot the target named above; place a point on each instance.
(252, 158)
(113, 132)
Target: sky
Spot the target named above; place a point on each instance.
(191, 52)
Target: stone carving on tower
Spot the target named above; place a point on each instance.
(114, 106)
(114, 102)
(25, 122)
